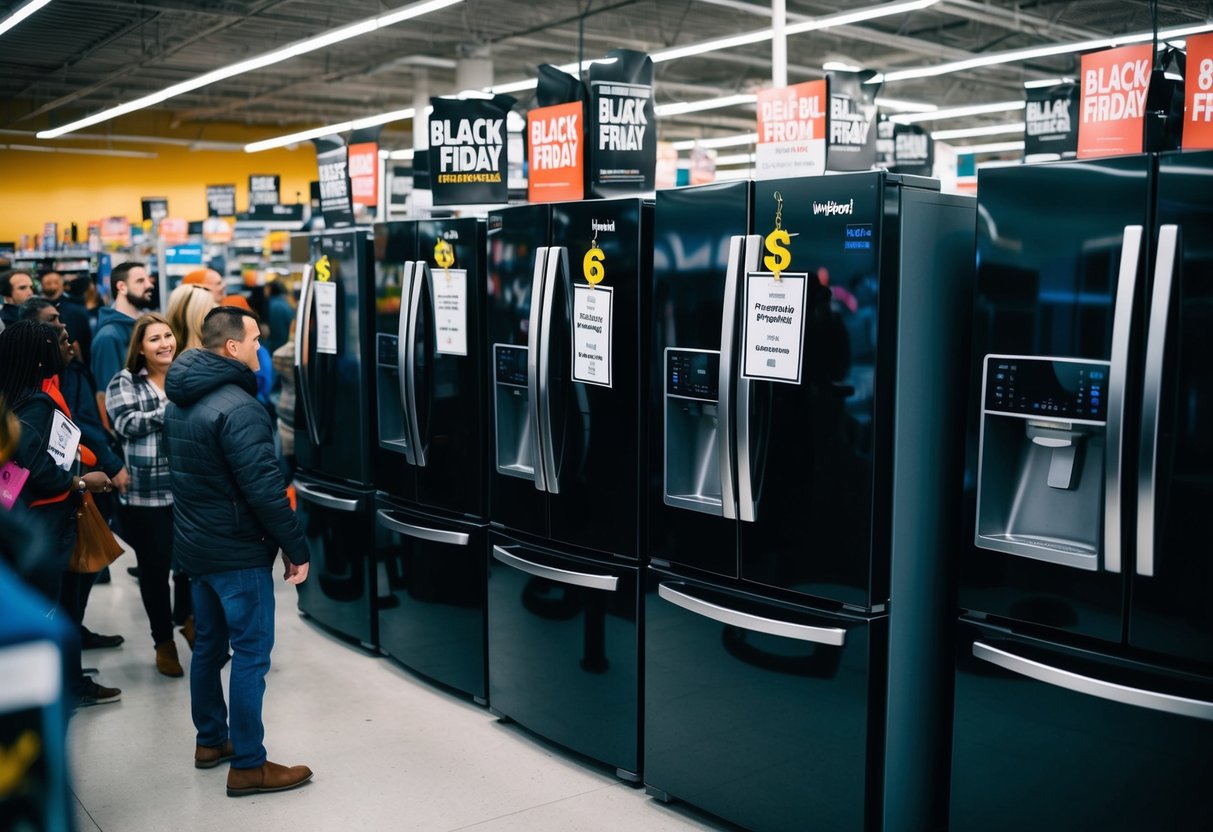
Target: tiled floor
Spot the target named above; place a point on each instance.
(390, 751)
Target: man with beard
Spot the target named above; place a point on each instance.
(133, 289)
(71, 311)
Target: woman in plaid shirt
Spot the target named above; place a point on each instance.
(135, 401)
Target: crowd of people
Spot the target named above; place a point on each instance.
(167, 422)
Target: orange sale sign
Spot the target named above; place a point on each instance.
(1113, 106)
(1198, 94)
(555, 153)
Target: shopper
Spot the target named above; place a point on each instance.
(265, 369)
(133, 290)
(284, 369)
(208, 279)
(16, 287)
(187, 308)
(136, 403)
(71, 310)
(281, 314)
(30, 353)
(231, 516)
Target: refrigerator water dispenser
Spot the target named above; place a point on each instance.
(692, 430)
(1040, 491)
(512, 403)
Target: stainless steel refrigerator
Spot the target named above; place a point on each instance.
(432, 453)
(1084, 682)
(568, 304)
(805, 441)
(335, 430)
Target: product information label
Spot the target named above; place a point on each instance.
(326, 317)
(63, 440)
(592, 334)
(450, 288)
(774, 326)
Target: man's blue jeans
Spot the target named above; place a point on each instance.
(235, 607)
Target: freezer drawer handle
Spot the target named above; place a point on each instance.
(607, 583)
(833, 636)
(326, 500)
(386, 520)
(1137, 697)
(1151, 407)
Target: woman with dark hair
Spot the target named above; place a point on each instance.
(135, 401)
(30, 354)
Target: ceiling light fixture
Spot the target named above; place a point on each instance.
(960, 112)
(20, 14)
(1047, 82)
(705, 104)
(340, 127)
(717, 142)
(973, 132)
(82, 151)
(992, 147)
(259, 62)
(1036, 52)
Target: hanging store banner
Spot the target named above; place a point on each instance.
(792, 127)
(556, 153)
(333, 165)
(852, 144)
(364, 166)
(221, 200)
(1198, 94)
(622, 151)
(886, 144)
(155, 208)
(913, 150)
(468, 154)
(263, 190)
(1049, 126)
(1113, 105)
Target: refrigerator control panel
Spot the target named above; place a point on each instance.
(1047, 387)
(510, 364)
(386, 350)
(692, 374)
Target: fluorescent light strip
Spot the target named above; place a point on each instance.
(706, 104)
(402, 154)
(21, 13)
(82, 151)
(973, 132)
(993, 147)
(720, 141)
(960, 112)
(269, 58)
(1047, 82)
(1036, 52)
(340, 127)
(905, 106)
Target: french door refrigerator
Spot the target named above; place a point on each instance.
(1084, 683)
(335, 430)
(431, 392)
(796, 655)
(568, 304)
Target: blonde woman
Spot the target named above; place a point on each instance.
(187, 308)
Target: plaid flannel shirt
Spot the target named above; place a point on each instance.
(136, 411)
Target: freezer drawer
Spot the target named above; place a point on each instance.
(564, 650)
(340, 590)
(432, 609)
(766, 716)
(1051, 738)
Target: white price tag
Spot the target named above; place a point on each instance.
(592, 334)
(63, 441)
(774, 326)
(450, 287)
(326, 317)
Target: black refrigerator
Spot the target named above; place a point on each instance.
(1084, 681)
(568, 305)
(335, 431)
(432, 453)
(805, 432)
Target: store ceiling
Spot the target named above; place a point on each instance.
(76, 57)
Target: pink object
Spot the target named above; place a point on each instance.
(12, 480)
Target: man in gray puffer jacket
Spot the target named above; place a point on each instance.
(230, 517)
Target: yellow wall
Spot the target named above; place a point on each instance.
(58, 187)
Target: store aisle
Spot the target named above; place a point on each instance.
(389, 750)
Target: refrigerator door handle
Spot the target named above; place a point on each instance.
(746, 502)
(303, 343)
(830, 636)
(728, 498)
(1122, 323)
(558, 265)
(320, 498)
(1090, 686)
(1156, 347)
(420, 272)
(532, 362)
(404, 352)
(386, 519)
(606, 583)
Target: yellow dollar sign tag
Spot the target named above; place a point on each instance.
(780, 258)
(592, 266)
(444, 254)
(323, 269)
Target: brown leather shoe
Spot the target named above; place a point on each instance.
(269, 777)
(166, 659)
(209, 756)
(188, 632)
